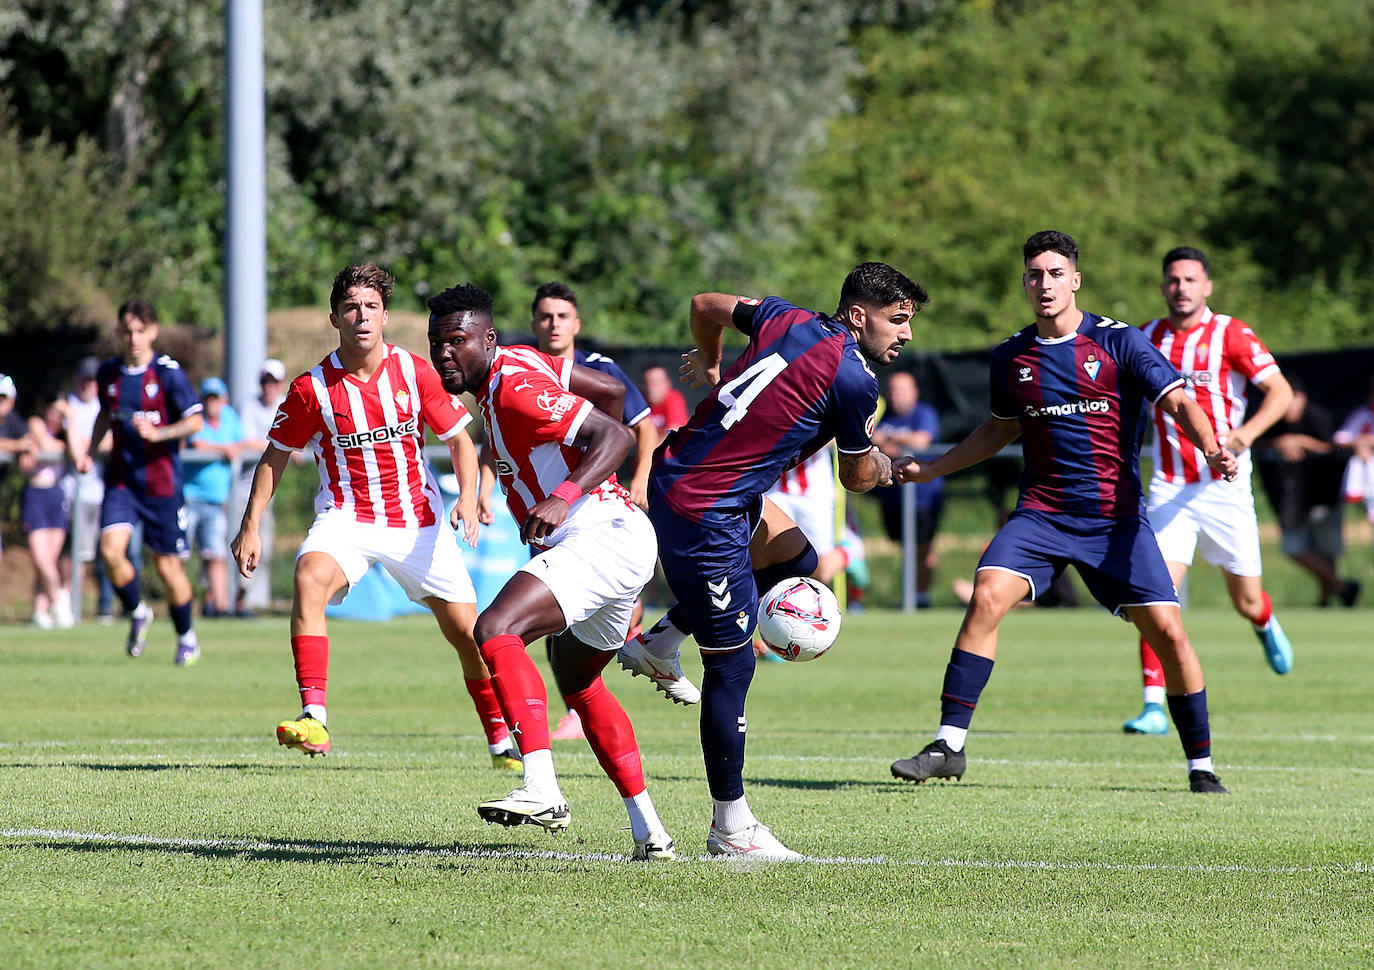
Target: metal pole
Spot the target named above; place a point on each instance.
(909, 547)
(245, 165)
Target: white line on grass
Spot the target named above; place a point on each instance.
(362, 851)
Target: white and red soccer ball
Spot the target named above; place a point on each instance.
(799, 619)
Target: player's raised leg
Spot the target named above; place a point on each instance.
(996, 591)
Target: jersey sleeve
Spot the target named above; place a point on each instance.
(1145, 362)
(298, 417)
(1002, 406)
(636, 408)
(535, 408)
(745, 315)
(442, 411)
(181, 397)
(1246, 354)
(856, 404)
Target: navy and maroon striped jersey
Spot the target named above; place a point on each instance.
(159, 392)
(1081, 401)
(801, 382)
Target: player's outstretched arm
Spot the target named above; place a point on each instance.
(982, 443)
(247, 545)
(606, 442)
(1194, 423)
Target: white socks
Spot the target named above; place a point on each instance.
(732, 816)
(952, 736)
(643, 817)
(539, 772)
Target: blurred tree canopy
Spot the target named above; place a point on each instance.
(643, 151)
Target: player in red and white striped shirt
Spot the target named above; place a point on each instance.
(555, 455)
(1190, 506)
(362, 412)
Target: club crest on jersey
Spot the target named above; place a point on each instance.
(150, 389)
(1092, 365)
(1024, 374)
(556, 403)
(403, 400)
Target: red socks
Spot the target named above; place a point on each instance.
(611, 736)
(520, 688)
(1151, 670)
(488, 709)
(311, 655)
(1266, 611)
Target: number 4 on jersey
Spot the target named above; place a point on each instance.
(753, 379)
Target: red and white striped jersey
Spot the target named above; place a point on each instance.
(1217, 359)
(532, 419)
(813, 478)
(367, 437)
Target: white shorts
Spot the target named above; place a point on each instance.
(1217, 517)
(426, 561)
(601, 562)
(814, 516)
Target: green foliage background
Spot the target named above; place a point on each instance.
(644, 151)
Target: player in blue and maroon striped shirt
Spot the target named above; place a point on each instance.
(1073, 386)
(149, 407)
(803, 379)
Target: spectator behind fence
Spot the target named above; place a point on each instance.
(208, 482)
(14, 433)
(83, 407)
(667, 406)
(45, 509)
(255, 593)
(1357, 434)
(1301, 472)
(910, 426)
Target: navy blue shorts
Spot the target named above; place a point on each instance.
(164, 519)
(44, 508)
(708, 568)
(1118, 559)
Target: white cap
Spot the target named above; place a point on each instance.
(273, 368)
(6, 386)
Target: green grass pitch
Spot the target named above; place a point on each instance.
(150, 819)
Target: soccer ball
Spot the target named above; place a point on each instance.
(799, 619)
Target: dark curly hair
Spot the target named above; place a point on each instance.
(460, 298)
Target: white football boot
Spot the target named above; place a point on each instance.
(751, 842)
(657, 845)
(528, 806)
(667, 675)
